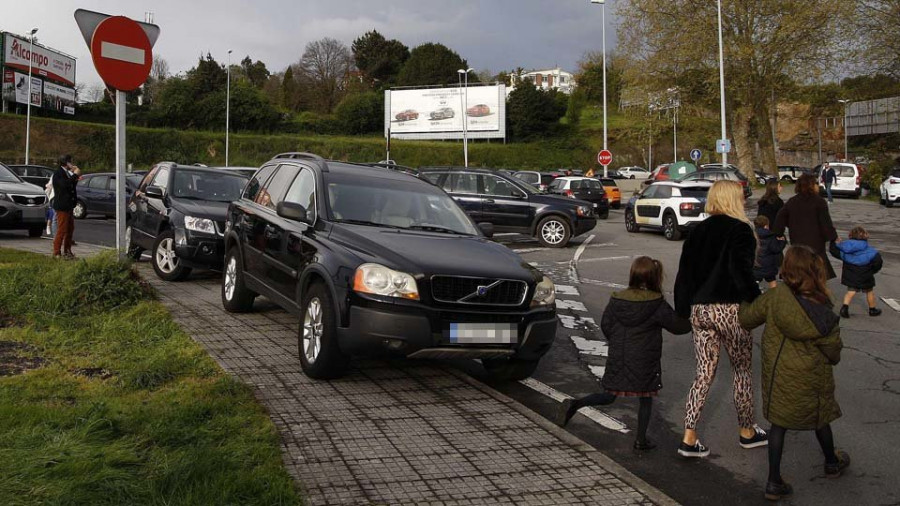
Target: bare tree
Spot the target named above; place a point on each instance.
(326, 64)
(878, 21)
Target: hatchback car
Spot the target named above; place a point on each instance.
(848, 179)
(178, 214)
(97, 193)
(612, 192)
(442, 113)
(633, 172)
(673, 207)
(583, 188)
(34, 174)
(670, 171)
(890, 189)
(791, 172)
(23, 206)
(377, 261)
(540, 180)
(510, 205)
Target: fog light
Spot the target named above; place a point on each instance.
(205, 249)
(394, 344)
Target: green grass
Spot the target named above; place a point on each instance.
(163, 424)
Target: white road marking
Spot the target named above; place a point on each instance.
(573, 265)
(567, 321)
(597, 370)
(893, 303)
(594, 414)
(122, 53)
(571, 304)
(528, 250)
(566, 290)
(591, 347)
(605, 259)
(581, 248)
(607, 284)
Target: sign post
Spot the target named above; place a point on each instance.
(604, 158)
(121, 50)
(696, 154)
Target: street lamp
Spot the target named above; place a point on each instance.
(28, 107)
(465, 73)
(846, 150)
(603, 35)
(722, 85)
(227, 104)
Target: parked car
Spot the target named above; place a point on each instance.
(244, 171)
(713, 175)
(633, 172)
(762, 177)
(612, 192)
(513, 206)
(35, 174)
(540, 180)
(890, 189)
(848, 179)
(178, 214)
(23, 206)
(97, 193)
(478, 110)
(378, 261)
(673, 207)
(583, 188)
(442, 113)
(791, 172)
(408, 114)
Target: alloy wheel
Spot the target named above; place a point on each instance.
(165, 256)
(312, 330)
(553, 232)
(230, 277)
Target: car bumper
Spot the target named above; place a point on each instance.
(584, 225)
(415, 330)
(199, 250)
(15, 217)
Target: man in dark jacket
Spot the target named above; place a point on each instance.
(65, 180)
(808, 221)
(828, 177)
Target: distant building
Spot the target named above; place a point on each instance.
(548, 79)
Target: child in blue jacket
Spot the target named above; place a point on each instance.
(861, 263)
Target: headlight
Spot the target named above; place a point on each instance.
(379, 280)
(199, 225)
(544, 293)
(5, 197)
(583, 211)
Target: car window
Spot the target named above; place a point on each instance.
(499, 187)
(463, 183)
(274, 190)
(895, 173)
(844, 171)
(528, 177)
(145, 181)
(557, 184)
(608, 182)
(546, 179)
(663, 192)
(162, 178)
(206, 185)
(649, 193)
(594, 185)
(98, 182)
(431, 177)
(257, 182)
(7, 175)
(303, 192)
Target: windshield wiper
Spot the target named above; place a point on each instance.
(367, 223)
(436, 228)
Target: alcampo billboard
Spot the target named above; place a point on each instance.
(45, 62)
(437, 113)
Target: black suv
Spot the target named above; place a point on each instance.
(178, 213)
(513, 206)
(375, 260)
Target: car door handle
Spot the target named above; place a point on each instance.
(488, 201)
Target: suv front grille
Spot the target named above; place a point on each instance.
(29, 200)
(478, 291)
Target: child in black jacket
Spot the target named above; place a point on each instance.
(769, 254)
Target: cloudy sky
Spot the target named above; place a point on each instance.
(492, 35)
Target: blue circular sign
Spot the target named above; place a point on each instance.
(696, 154)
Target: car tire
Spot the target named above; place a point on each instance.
(236, 297)
(630, 222)
(787, 178)
(35, 232)
(670, 227)
(79, 212)
(132, 250)
(320, 355)
(604, 215)
(554, 232)
(631, 177)
(888, 203)
(509, 369)
(617, 206)
(166, 264)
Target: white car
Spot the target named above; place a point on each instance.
(633, 172)
(890, 189)
(847, 179)
(669, 206)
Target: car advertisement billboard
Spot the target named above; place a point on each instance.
(59, 98)
(45, 62)
(15, 88)
(438, 113)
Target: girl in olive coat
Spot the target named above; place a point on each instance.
(800, 346)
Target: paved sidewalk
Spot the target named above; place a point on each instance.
(408, 432)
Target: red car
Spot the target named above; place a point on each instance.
(407, 115)
(478, 110)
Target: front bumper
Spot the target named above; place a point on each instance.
(584, 225)
(16, 217)
(197, 250)
(414, 329)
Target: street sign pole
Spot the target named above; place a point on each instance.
(120, 174)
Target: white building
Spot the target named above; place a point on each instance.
(547, 79)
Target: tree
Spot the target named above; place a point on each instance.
(255, 72)
(289, 90)
(326, 64)
(878, 21)
(432, 64)
(590, 78)
(766, 43)
(531, 113)
(378, 58)
(361, 113)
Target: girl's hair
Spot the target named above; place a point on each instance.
(727, 197)
(761, 221)
(807, 185)
(803, 271)
(771, 191)
(646, 273)
(858, 232)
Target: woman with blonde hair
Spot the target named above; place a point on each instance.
(715, 275)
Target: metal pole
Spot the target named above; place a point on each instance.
(650, 146)
(466, 122)
(603, 35)
(227, 106)
(120, 173)
(675, 132)
(819, 132)
(846, 144)
(28, 107)
(722, 84)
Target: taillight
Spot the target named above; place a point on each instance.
(857, 179)
(894, 181)
(570, 193)
(687, 206)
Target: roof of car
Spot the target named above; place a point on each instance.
(460, 169)
(682, 184)
(373, 170)
(574, 178)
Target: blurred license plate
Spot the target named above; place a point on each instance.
(483, 333)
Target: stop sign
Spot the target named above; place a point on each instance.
(604, 157)
(121, 53)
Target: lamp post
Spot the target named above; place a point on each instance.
(846, 149)
(722, 85)
(28, 107)
(603, 36)
(460, 73)
(227, 104)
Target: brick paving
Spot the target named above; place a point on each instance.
(405, 432)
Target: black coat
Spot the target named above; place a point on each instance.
(858, 276)
(716, 265)
(633, 323)
(808, 222)
(770, 209)
(769, 256)
(64, 193)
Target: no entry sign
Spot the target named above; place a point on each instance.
(121, 52)
(604, 157)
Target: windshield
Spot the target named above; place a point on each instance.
(522, 185)
(205, 185)
(7, 175)
(393, 203)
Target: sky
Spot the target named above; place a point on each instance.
(492, 35)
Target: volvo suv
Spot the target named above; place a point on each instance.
(377, 261)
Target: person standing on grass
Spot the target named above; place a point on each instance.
(632, 323)
(65, 180)
(715, 275)
(861, 263)
(801, 345)
(807, 220)
(771, 202)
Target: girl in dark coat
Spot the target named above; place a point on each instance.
(769, 255)
(632, 323)
(807, 219)
(771, 202)
(861, 263)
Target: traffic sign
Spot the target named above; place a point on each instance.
(121, 52)
(604, 157)
(696, 154)
(723, 146)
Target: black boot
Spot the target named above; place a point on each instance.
(845, 311)
(874, 311)
(776, 491)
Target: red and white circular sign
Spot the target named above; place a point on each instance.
(604, 157)
(122, 53)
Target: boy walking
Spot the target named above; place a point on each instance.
(861, 263)
(769, 254)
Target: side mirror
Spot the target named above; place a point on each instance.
(487, 229)
(154, 192)
(518, 195)
(292, 211)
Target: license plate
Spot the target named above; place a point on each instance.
(483, 333)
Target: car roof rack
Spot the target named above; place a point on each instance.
(310, 157)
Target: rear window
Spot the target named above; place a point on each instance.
(844, 170)
(608, 182)
(696, 192)
(895, 172)
(546, 179)
(528, 177)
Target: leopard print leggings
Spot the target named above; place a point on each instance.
(717, 325)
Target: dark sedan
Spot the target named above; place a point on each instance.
(97, 193)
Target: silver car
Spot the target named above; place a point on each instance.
(23, 206)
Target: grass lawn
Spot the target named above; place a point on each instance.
(104, 400)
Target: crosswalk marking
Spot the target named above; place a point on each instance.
(590, 346)
(566, 290)
(571, 304)
(594, 414)
(597, 370)
(892, 303)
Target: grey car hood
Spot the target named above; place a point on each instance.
(21, 188)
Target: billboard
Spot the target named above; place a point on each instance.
(45, 62)
(438, 113)
(880, 116)
(15, 88)
(59, 98)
